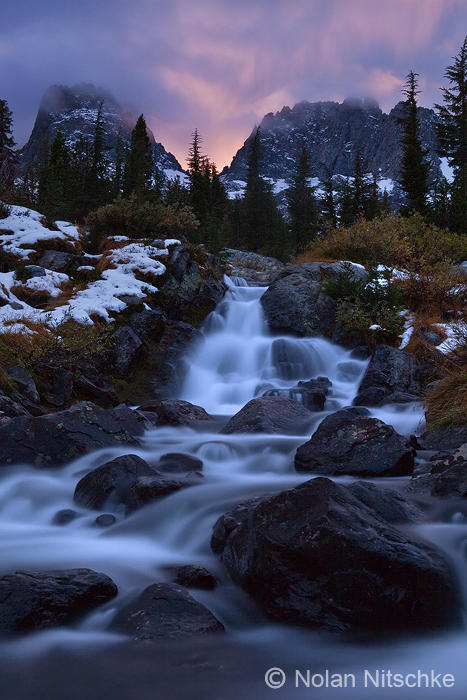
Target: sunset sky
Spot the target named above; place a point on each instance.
(220, 65)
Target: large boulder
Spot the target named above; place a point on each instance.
(257, 270)
(148, 325)
(26, 384)
(169, 360)
(110, 480)
(312, 393)
(56, 438)
(58, 260)
(318, 555)
(445, 477)
(97, 390)
(165, 611)
(389, 372)
(445, 438)
(126, 349)
(174, 412)
(270, 414)
(347, 443)
(40, 600)
(147, 489)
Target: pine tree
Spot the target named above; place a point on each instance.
(414, 171)
(328, 210)
(346, 204)
(359, 187)
(452, 135)
(120, 156)
(80, 165)
(302, 205)
(200, 178)
(97, 184)
(139, 163)
(7, 144)
(55, 187)
(372, 203)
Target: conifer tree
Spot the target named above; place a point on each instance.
(452, 135)
(328, 210)
(359, 187)
(199, 172)
(346, 204)
(7, 144)
(139, 162)
(302, 206)
(414, 171)
(55, 186)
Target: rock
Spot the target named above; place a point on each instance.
(148, 325)
(444, 438)
(165, 611)
(65, 516)
(345, 443)
(31, 407)
(40, 600)
(16, 306)
(195, 577)
(296, 304)
(257, 270)
(431, 336)
(317, 555)
(11, 408)
(57, 260)
(312, 393)
(31, 271)
(147, 489)
(446, 477)
(56, 438)
(101, 393)
(169, 361)
(174, 412)
(322, 270)
(110, 479)
(126, 344)
(179, 462)
(389, 504)
(389, 371)
(57, 389)
(25, 382)
(270, 414)
(105, 520)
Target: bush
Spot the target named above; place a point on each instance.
(392, 240)
(137, 219)
(435, 288)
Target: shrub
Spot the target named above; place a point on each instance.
(435, 288)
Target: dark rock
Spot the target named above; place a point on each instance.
(126, 344)
(317, 555)
(40, 600)
(362, 352)
(179, 462)
(148, 325)
(147, 489)
(390, 370)
(31, 271)
(11, 408)
(312, 394)
(103, 393)
(445, 477)
(105, 520)
(431, 336)
(26, 385)
(110, 479)
(345, 443)
(58, 389)
(56, 438)
(257, 270)
(57, 260)
(195, 577)
(390, 505)
(65, 516)
(296, 304)
(169, 361)
(445, 438)
(31, 407)
(174, 412)
(165, 611)
(270, 414)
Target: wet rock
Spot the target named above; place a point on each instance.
(174, 412)
(319, 556)
(165, 611)
(346, 443)
(312, 394)
(56, 386)
(445, 477)
(56, 438)
(179, 462)
(390, 505)
(64, 516)
(270, 414)
(31, 407)
(444, 438)
(58, 261)
(257, 270)
(110, 479)
(170, 363)
(390, 370)
(127, 344)
(11, 408)
(98, 391)
(147, 489)
(26, 384)
(105, 520)
(148, 325)
(195, 577)
(40, 600)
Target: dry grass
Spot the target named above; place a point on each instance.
(447, 403)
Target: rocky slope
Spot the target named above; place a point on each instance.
(74, 110)
(332, 132)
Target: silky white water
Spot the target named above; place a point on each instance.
(237, 360)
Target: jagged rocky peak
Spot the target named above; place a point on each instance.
(332, 132)
(74, 110)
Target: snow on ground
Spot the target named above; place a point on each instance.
(22, 228)
(172, 175)
(385, 184)
(50, 283)
(453, 331)
(446, 169)
(408, 328)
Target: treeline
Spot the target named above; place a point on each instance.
(121, 190)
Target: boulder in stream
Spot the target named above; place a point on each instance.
(270, 414)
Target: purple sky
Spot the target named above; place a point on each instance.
(220, 65)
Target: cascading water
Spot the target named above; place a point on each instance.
(237, 360)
